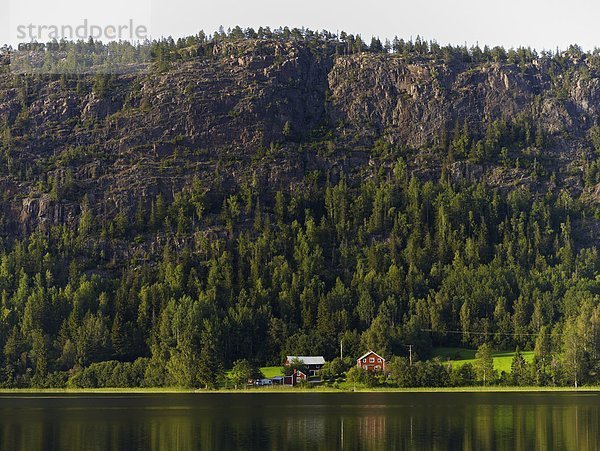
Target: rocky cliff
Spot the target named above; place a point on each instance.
(272, 112)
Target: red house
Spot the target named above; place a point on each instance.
(371, 361)
(294, 379)
(299, 376)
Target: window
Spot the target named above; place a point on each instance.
(364, 360)
(372, 360)
(379, 360)
(377, 367)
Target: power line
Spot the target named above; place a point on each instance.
(482, 333)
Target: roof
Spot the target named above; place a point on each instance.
(369, 353)
(307, 360)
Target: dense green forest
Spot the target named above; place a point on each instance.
(373, 266)
(175, 289)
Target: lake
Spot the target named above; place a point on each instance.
(301, 421)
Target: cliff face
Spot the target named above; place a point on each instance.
(414, 101)
(274, 111)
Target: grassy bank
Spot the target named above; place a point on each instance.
(320, 389)
(128, 390)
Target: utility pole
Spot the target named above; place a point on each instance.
(410, 354)
(342, 349)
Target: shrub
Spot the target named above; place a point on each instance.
(361, 376)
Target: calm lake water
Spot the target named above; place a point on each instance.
(307, 421)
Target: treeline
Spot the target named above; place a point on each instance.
(81, 57)
(76, 58)
(202, 45)
(355, 43)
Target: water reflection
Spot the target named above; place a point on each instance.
(302, 422)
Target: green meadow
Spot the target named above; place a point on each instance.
(460, 356)
(272, 371)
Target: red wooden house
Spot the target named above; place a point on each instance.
(371, 361)
(296, 378)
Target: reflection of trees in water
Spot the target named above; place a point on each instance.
(308, 429)
(562, 422)
(330, 432)
(531, 426)
(371, 430)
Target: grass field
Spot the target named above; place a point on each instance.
(268, 371)
(459, 356)
(271, 371)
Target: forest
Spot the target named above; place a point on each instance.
(391, 262)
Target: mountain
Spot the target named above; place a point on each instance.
(252, 197)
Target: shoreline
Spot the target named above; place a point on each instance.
(290, 390)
